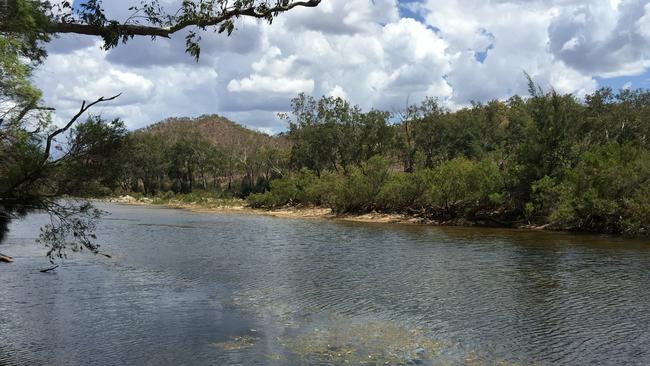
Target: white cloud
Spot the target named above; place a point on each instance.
(361, 50)
(268, 84)
(273, 74)
(606, 39)
(344, 17)
(338, 92)
(643, 24)
(147, 94)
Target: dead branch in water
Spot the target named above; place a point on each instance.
(49, 269)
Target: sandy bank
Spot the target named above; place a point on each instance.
(239, 206)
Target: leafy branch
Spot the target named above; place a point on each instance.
(149, 19)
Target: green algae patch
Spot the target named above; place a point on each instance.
(372, 343)
(237, 343)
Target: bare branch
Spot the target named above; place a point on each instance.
(28, 107)
(82, 110)
(50, 138)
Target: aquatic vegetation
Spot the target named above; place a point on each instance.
(342, 342)
(237, 343)
(315, 337)
(271, 304)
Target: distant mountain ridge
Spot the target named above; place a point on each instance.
(217, 129)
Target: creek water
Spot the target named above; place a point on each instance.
(185, 288)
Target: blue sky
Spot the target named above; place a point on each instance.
(376, 53)
(641, 81)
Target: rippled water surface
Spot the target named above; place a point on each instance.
(227, 289)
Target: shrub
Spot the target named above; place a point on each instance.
(461, 186)
(402, 192)
(607, 191)
(301, 188)
(261, 200)
(359, 190)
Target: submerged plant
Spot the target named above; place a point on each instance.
(368, 343)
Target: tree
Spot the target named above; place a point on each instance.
(36, 171)
(91, 165)
(313, 134)
(377, 136)
(607, 191)
(32, 161)
(37, 20)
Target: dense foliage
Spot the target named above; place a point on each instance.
(549, 160)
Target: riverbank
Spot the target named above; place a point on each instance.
(292, 212)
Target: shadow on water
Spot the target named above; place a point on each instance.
(190, 288)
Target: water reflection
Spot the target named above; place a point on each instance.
(187, 288)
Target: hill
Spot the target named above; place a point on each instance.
(181, 154)
(218, 130)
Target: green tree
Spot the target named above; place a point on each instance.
(461, 187)
(32, 159)
(548, 160)
(314, 132)
(92, 163)
(606, 192)
(146, 164)
(359, 191)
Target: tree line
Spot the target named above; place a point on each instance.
(546, 160)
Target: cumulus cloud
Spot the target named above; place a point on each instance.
(147, 94)
(643, 24)
(269, 84)
(273, 74)
(513, 37)
(345, 17)
(361, 50)
(602, 38)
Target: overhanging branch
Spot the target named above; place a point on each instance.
(82, 110)
(109, 28)
(235, 13)
(94, 30)
(50, 139)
